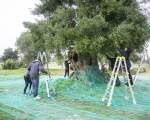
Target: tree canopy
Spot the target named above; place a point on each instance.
(91, 26)
(9, 54)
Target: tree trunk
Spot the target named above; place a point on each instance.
(86, 68)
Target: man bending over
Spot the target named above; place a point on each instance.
(34, 68)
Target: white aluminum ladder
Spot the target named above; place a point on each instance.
(120, 61)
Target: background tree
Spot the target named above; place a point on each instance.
(25, 46)
(10, 54)
(10, 59)
(92, 27)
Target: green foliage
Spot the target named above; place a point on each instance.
(134, 70)
(135, 57)
(1, 60)
(0, 66)
(21, 64)
(95, 26)
(10, 59)
(9, 54)
(25, 45)
(59, 58)
(10, 64)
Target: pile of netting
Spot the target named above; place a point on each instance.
(80, 91)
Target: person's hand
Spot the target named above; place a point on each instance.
(49, 74)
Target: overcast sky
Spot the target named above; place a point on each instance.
(12, 14)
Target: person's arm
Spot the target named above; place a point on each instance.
(41, 68)
(122, 52)
(69, 62)
(129, 51)
(29, 67)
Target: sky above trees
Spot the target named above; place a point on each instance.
(12, 14)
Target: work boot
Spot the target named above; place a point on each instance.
(37, 97)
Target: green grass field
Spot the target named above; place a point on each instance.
(22, 71)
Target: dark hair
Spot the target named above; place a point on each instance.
(34, 57)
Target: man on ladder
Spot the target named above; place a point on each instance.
(120, 61)
(123, 63)
(126, 53)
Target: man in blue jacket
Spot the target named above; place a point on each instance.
(34, 68)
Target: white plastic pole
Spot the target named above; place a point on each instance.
(47, 88)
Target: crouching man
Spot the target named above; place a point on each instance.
(28, 81)
(34, 68)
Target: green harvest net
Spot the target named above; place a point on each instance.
(74, 100)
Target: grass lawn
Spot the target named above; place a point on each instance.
(5, 116)
(22, 71)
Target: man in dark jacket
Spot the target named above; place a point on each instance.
(66, 63)
(34, 68)
(126, 53)
(28, 81)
